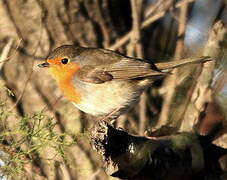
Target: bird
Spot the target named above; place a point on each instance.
(102, 82)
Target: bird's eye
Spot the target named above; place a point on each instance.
(64, 61)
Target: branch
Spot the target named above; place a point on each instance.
(147, 22)
(175, 157)
(135, 45)
(202, 93)
(171, 81)
(5, 52)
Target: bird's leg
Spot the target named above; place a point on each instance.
(109, 117)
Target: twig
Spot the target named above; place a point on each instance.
(95, 174)
(142, 113)
(104, 28)
(171, 81)
(135, 45)
(8, 149)
(31, 71)
(202, 93)
(156, 7)
(5, 52)
(13, 54)
(146, 23)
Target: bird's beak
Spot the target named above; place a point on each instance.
(43, 65)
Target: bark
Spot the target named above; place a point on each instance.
(180, 156)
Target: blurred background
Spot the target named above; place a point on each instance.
(43, 136)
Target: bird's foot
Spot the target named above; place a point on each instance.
(111, 117)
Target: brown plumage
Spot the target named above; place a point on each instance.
(100, 81)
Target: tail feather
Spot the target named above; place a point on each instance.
(177, 63)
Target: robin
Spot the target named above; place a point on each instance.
(102, 82)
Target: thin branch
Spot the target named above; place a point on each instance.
(171, 81)
(31, 71)
(5, 52)
(202, 93)
(142, 113)
(156, 7)
(103, 26)
(146, 23)
(135, 45)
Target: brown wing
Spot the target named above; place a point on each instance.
(125, 69)
(106, 65)
(133, 68)
(93, 75)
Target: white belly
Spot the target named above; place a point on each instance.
(102, 99)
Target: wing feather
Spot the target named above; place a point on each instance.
(109, 65)
(133, 68)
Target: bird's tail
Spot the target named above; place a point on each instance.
(177, 63)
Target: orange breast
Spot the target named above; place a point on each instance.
(63, 74)
(69, 91)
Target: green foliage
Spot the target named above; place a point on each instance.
(24, 141)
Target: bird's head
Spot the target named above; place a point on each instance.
(62, 63)
(62, 66)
